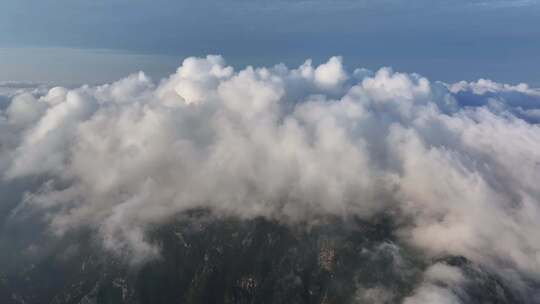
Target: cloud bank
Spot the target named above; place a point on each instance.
(457, 164)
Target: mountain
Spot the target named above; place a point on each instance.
(205, 259)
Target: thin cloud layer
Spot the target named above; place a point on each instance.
(457, 164)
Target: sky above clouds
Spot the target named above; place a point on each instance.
(446, 40)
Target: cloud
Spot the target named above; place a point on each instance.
(432, 294)
(293, 145)
(501, 4)
(10, 89)
(521, 100)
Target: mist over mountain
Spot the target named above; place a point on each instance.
(314, 184)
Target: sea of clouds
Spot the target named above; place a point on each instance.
(458, 164)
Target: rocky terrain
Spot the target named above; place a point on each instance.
(208, 260)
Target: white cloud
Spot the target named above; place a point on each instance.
(483, 86)
(289, 144)
(429, 294)
(330, 75)
(437, 286)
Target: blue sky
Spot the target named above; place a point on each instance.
(100, 40)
